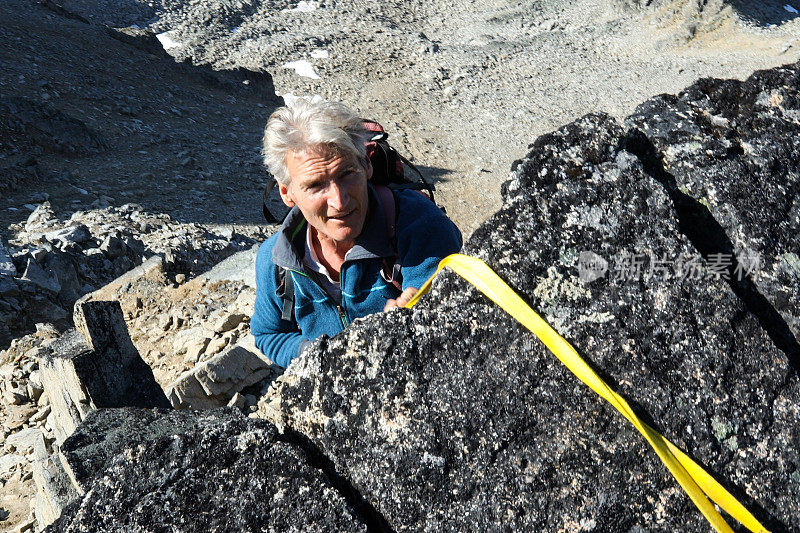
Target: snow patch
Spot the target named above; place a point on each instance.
(302, 68)
(790, 9)
(304, 7)
(320, 54)
(166, 41)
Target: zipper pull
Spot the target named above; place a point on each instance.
(342, 316)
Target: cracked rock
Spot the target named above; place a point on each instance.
(733, 148)
(221, 472)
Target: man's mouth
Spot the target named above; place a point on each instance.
(341, 216)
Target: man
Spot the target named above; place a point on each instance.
(334, 246)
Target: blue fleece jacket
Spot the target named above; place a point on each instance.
(424, 235)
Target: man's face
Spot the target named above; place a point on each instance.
(331, 192)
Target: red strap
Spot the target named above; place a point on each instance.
(371, 125)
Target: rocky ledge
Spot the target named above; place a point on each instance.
(663, 248)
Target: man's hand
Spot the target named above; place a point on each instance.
(401, 300)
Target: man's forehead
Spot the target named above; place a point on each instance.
(318, 160)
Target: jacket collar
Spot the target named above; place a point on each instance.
(373, 242)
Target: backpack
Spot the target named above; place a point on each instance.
(388, 174)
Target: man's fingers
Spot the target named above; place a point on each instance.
(404, 298)
(401, 300)
(390, 304)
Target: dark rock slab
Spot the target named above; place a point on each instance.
(96, 365)
(126, 379)
(452, 417)
(162, 470)
(732, 149)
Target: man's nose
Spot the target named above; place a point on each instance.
(337, 197)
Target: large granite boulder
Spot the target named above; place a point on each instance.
(453, 417)
(160, 470)
(733, 148)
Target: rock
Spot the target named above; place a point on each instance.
(34, 391)
(70, 235)
(39, 254)
(64, 271)
(164, 322)
(214, 382)
(227, 233)
(41, 414)
(35, 275)
(54, 489)
(184, 338)
(238, 267)
(44, 309)
(730, 155)
(98, 367)
(15, 396)
(42, 217)
(151, 269)
(8, 287)
(245, 302)
(196, 348)
(240, 472)
(453, 417)
(113, 246)
(216, 345)
(25, 525)
(238, 401)
(10, 461)
(27, 440)
(17, 416)
(34, 379)
(228, 322)
(7, 268)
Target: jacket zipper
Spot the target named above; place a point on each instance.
(342, 316)
(339, 308)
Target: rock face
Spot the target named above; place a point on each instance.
(214, 471)
(451, 416)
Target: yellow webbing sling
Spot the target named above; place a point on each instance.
(697, 483)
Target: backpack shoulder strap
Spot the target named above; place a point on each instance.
(389, 203)
(286, 293)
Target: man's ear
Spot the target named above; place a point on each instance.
(368, 169)
(284, 192)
